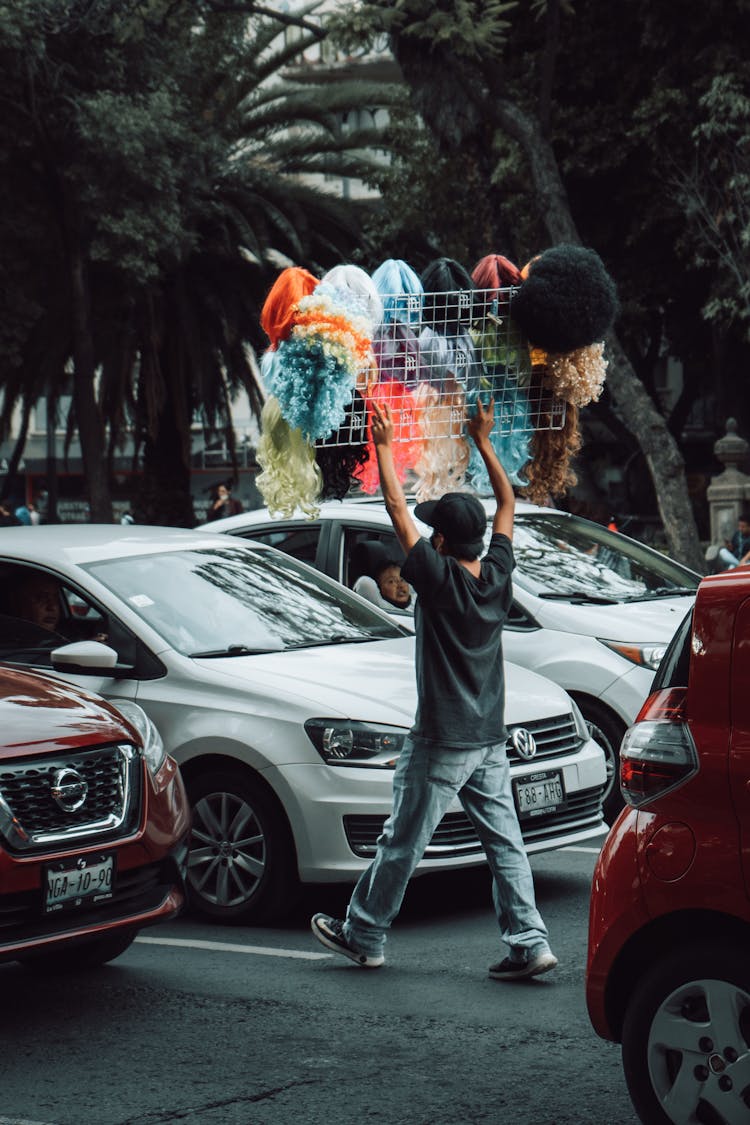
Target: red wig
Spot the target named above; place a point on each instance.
(277, 315)
(493, 271)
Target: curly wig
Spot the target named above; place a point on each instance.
(578, 376)
(357, 290)
(567, 301)
(549, 472)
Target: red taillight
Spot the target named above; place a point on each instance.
(657, 752)
(668, 705)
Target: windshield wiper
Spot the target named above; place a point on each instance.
(577, 596)
(665, 592)
(235, 650)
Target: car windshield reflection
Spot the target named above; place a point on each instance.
(562, 557)
(236, 602)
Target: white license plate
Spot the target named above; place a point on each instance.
(539, 793)
(82, 881)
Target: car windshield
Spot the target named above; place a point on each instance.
(563, 557)
(235, 601)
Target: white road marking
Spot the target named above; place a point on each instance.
(575, 848)
(21, 1121)
(230, 947)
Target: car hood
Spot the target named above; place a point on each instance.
(373, 681)
(39, 714)
(655, 620)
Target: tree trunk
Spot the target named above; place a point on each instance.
(9, 484)
(631, 402)
(88, 415)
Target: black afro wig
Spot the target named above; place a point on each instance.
(568, 300)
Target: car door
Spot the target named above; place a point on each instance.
(28, 645)
(739, 752)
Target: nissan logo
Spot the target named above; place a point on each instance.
(523, 741)
(68, 789)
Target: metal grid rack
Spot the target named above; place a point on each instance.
(434, 354)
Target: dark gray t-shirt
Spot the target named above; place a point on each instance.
(459, 620)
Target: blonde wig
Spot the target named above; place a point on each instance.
(578, 376)
(290, 478)
(445, 453)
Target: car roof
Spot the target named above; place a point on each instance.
(81, 543)
(350, 508)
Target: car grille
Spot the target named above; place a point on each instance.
(105, 801)
(136, 891)
(455, 835)
(553, 737)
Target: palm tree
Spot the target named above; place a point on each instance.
(184, 163)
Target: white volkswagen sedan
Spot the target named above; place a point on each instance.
(284, 697)
(593, 610)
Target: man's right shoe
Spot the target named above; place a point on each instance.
(522, 970)
(330, 933)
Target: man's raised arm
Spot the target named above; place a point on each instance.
(381, 429)
(480, 427)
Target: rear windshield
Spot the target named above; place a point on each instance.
(675, 664)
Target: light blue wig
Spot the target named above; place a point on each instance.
(401, 291)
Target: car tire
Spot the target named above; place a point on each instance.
(678, 1064)
(86, 955)
(241, 866)
(607, 730)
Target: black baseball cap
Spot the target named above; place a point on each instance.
(458, 516)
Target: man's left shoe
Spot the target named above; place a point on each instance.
(330, 933)
(522, 970)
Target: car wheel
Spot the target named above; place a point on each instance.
(686, 1039)
(606, 730)
(87, 955)
(241, 864)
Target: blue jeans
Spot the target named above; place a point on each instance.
(425, 781)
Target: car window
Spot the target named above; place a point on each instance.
(561, 556)
(362, 547)
(239, 600)
(300, 542)
(40, 612)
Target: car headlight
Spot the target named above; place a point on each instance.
(346, 742)
(153, 747)
(646, 655)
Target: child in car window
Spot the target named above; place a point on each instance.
(393, 588)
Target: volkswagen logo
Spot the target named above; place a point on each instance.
(68, 789)
(523, 741)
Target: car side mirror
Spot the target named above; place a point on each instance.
(86, 657)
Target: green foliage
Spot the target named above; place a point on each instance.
(475, 30)
(715, 196)
(160, 141)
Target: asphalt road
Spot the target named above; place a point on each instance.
(205, 1025)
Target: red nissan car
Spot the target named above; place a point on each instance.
(669, 927)
(94, 824)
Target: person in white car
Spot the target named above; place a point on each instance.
(457, 746)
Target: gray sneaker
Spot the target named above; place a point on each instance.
(522, 970)
(330, 933)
